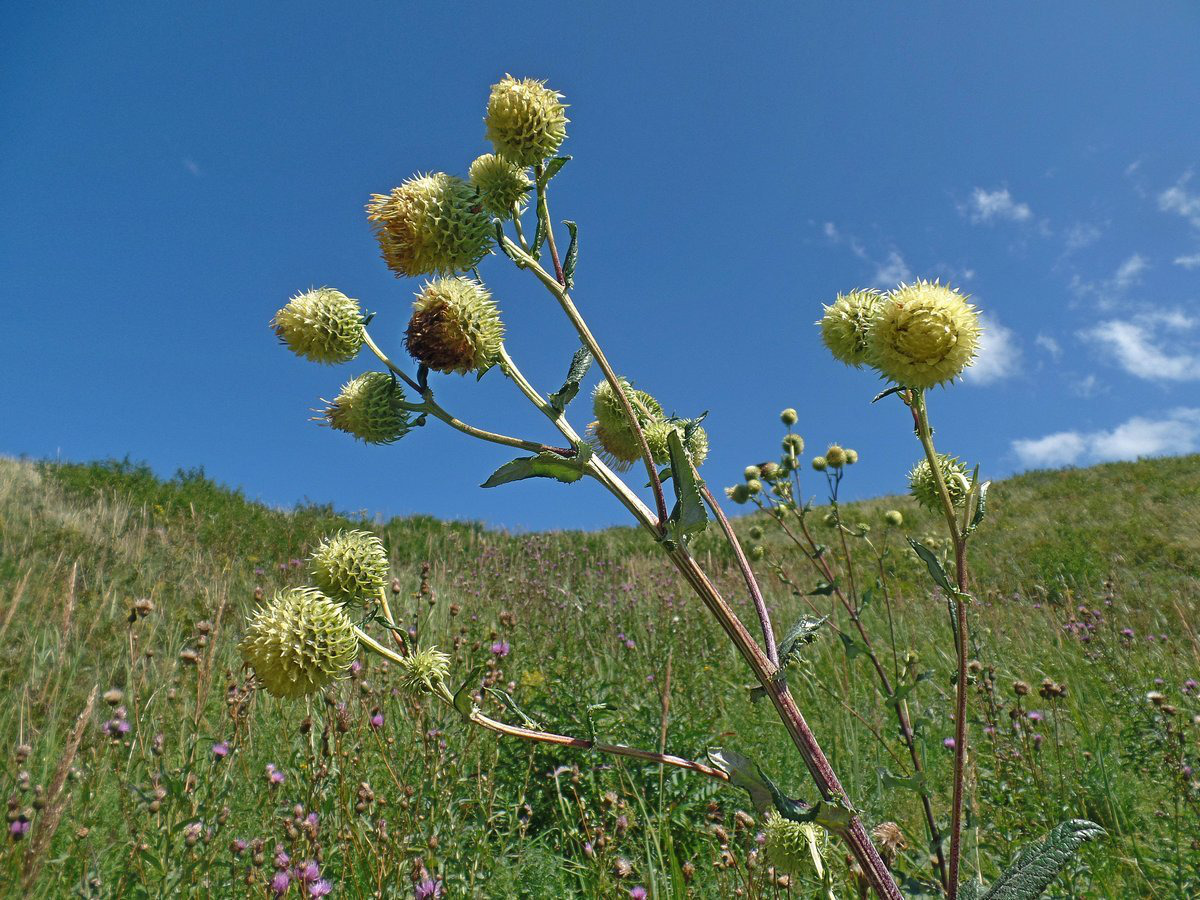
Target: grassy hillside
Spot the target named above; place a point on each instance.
(132, 800)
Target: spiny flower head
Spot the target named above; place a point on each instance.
(322, 325)
(351, 566)
(923, 485)
(300, 642)
(502, 184)
(788, 417)
(835, 456)
(793, 444)
(455, 327)
(845, 323)
(430, 225)
(612, 431)
(791, 846)
(894, 518)
(368, 407)
(695, 444)
(923, 335)
(422, 670)
(526, 121)
(819, 463)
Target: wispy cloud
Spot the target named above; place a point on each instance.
(1155, 347)
(1176, 199)
(192, 166)
(1049, 344)
(1176, 432)
(986, 206)
(1108, 291)
(1130, 271)
(1081, 234)
(999, 354)
(891, 271)
(1191, 261)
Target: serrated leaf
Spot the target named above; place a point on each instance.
(689, 515)
(572, 256)
(580, 363)
(803, 632)
(934, 566)
(545, 465)
(971, 890)
(1039, 864)
(744, 774)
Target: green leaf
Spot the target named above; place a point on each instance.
(539, 237)
(980, 506)
(508, 701)
(689, 515)
(744, 774)
(580, 363)
(916, 783)
(462, 697)
(552, 169)
(803, 632)
(823, 588)
(900, 694)
(545, 465)
(892, 390)
(935, 567)
(504, 247)
(1039, 864)
(572, 256)
(971, 890)
(851, 647)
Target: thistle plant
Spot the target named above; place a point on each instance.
(445, 226)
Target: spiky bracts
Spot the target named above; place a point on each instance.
(695, 442)
(369, 407)
(791, 847)
(612, 432)
(455, 327)
(423, 670)
(526, 121)
(844, 325)
(351, 567)
(430, 225)
(299, 643)
(923, 335)
(923, 486)
(501, 184)
(322, 325)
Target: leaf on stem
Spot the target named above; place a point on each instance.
(689, 515)
(823, 588)
(935, 567)
(545, 465)
(980, 505)
(916, 783)
(744, 774)
(580, 363)
(572, 256)
(552, 169)
(1038, 864)
(462, 697)
(803, 632)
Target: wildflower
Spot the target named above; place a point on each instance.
(694, 440)
(220, 750)
(274, 777)
(845, 325)
(280, 883)
(113, 696)
(299, 643)
(739, 493)
(1037, 741)
(371, 407)
(1156, 698)
(819, 463)
(192, 832)
(890, 839)
(851, 456)
(754, 486)
(376, 720)
(1020, 688)
(455, 327)
(835, 456)
(526, 121)
(427, 889)
(948, 743)
(18, 828)
(790, 845)
(923, 335)
(238, 846)
(501, 648)
(894, 518)
(501, 184)
(322, 325)
(319, 888)
(637, 893)
(788, 417)
(611, 431)
(1191, 686)
(1034, 716)
(923, 486)
(350, 567)
(430, 225)
(282, 860)
(751, 472)
(422, 670)
(630, 645)
(1127, 633)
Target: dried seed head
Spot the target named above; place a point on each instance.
(501, 184)
(526, 121)
(323, 325)
(890, 839)
(350, 567)
(845, 324)
(430, 225)
(368, 407)
(455, 327)
(923, 335)
(923, 486)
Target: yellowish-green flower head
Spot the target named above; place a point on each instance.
(423, 670)
(351, 567)
(793, 444)
(739, 493)
(299, 643)
(501, 184)
(526, 121)
(792, 847)
(695, 444)
(612, 432)
(851, 456)
(923, 486)
(923, 335)
(819, 463)
(894, 518)
(322, 325)
(455, 327)
(844, 325)
(835, 456)
(430, 225)
(788, 417)
(369, 407)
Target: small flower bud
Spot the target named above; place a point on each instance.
(754, 486)
(923, 335)
(501, 184)
(923, 485)
(844, 325)
(752, 472)
(612, 432)
(526, 121)
(1020, 688)
(368, 407)
(430, 225)
(788, 417)
(455, 327)
(788, 843)
(739, 493)
(756, 533)
(793, 444)
(851, 457)
(835, 456)
(324, 326)
(769, 471)
(757, 552)
(350, 567)
(819, 463)
(894, 518)
(695, 444)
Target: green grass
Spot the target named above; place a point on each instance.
(79, 544)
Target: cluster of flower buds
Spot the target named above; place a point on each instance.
(614, 437)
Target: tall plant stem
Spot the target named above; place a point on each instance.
(959, 539)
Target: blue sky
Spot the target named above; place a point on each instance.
(170, 174)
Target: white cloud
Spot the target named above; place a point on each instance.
(1130, 271)
(1174, 433)
(1191, 261)
(1153, 347)
(891, 271)
(985, 206)
(191, 166)
(1108, 291)
(1081, 235)
(1049, 344)
(999, 355)
(1176, 199)
(1087, 387)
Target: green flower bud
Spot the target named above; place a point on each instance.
(612, 432)
(526, 121)
(423, 670)
(851, 457)
(752, 472)
(754, 486)
(368, 407)
(501, 184)
(769, 470)
(923, 335)
(695, 444)
(788, 417)
(756, 533)
(831, 519)
(757, 552)
(455, 327)
(739, 493)
(323, 325)
(819, 463)
(351, 567)
(845, 325)
(923, 485)
(835, 456)
(790, 846)
(893, 518)
(863, 528)
(793, 444)
(299, 643)
(430, 225)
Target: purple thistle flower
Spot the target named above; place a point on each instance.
(1190, 686)
(376, 720)
(427, 889)
(274, 777)
(319, 888)
(19, 828)
(630, 645)
(312, 820)
(1037, 740)
(1035, 716)
(239, 846)
(282, 860)
(637, 893)
(501, 648)
(948, 743)
(355, 667)
(258, 570)
(220, 749)
(280, 883)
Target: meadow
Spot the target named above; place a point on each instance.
(138, 764)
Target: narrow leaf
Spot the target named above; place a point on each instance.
(744, 774)
(1039, 864)
(882, 394)
(462, 697)
(580, 363)
(823, 589)
(935, 567)
(545, 465)
(851, 647)
(552, 168)
(572, 256)
(980, 506)
(689, 515)
(803, 632)
(916, 783)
